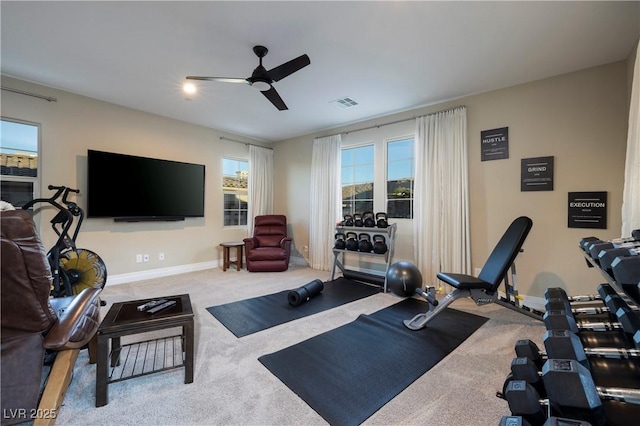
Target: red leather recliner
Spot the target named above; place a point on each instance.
(269, 248)
(33, 323)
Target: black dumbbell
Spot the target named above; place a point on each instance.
(379, 244)
(551, 421)
(626, 272)
(585, 241)
(368, 220)
(339, 241)
(364, 243)
(628, 322)
(557, 293)
(571, 393)
(567, 345)
(606, 257)
(604, 290)
(593, 248)
(607, 294)
(352, 241)
(381, 220)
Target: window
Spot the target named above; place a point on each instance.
(357, 179)
(234, 188)
(18, 161)
(400, 176)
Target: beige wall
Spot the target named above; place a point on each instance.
(579, 118)
(75, 123)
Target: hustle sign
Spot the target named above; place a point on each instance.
(494, 144)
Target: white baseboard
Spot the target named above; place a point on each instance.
(161, 272)
(175, 270)
(532, 302)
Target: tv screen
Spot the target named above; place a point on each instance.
(130, 188)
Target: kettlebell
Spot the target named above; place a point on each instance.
(352, 242)
(348, 220)
(379, 244)
(340, 242)
(357, 220)
(368, 220)
(381, 220)
(364, 245)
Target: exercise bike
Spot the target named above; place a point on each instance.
(73, 269)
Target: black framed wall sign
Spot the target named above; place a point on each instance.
(536, 174)
(494, 144)
(588, 210)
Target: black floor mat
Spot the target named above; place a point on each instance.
(349, 373)
(252, 315)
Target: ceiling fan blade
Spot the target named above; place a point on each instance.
(288, 68)
(275, 99)
(220, 79)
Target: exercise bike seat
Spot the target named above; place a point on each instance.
(464, 282)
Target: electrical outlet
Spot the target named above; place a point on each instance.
(305, 249)
(160, 256)
(138, 258)
(477, 271)
(145, 257)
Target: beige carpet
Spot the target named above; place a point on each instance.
(232, 387)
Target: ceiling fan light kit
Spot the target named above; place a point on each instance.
(262, 79)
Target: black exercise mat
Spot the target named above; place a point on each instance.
(349, 373)
(252, 315)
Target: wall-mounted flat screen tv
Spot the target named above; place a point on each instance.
(130, 188)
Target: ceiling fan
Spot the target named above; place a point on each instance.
(262, 79)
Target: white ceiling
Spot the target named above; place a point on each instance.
(388, 56)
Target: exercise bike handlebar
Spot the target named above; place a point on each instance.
(66, 191)
(64, 217)
(60, 190)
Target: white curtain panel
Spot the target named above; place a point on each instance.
(260, 185)
(326, 199)
(441, 195)
(631, 193)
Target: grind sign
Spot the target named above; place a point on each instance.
(536, 174)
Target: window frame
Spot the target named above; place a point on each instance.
(373, 198)
(34, 180)
(234, 192)
(387, 141)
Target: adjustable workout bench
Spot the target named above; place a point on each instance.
(483, 289)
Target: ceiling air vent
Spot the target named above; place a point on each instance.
(345, 103)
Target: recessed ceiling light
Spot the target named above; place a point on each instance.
(189, 88)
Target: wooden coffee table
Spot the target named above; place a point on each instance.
(147, 356)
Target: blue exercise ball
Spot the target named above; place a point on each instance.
(403, 278)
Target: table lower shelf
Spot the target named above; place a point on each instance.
(146, 357)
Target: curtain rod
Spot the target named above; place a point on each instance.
(375, 126)
(35, 95)
(224, 138)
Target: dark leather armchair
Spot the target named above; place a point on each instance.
(33, 323)
(269, 248)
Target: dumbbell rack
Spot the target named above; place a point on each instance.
(616, 285)
(390, 236)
